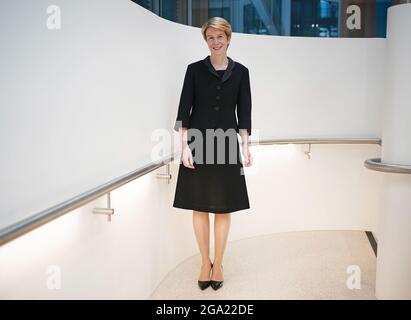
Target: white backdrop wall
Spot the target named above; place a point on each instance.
(82, 256)
(79, 105)
(393, 278)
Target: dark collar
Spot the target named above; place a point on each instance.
(228, 71)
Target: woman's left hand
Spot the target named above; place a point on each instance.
(248, 159)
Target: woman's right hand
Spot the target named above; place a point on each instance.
(187, 157)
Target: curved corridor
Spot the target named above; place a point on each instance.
(91, 95)
(293, 265)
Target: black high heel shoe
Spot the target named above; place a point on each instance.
(204, 284)
(216, 284)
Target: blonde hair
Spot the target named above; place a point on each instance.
(217, 23)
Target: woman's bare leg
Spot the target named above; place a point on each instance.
(221, 228)
(201, 224)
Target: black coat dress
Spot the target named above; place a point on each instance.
(208, 106)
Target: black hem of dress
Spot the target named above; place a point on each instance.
(210, 210)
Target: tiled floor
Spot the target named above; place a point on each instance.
(295, 265)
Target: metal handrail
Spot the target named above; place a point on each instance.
(320, 141)
(377, 165)
(18, 229)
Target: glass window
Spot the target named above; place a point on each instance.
(303, 18)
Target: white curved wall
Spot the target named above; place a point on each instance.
(113, 75)
(394, 254)
(80, 103)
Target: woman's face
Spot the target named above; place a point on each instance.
(217, 41)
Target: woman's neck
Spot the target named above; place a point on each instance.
(219, 62)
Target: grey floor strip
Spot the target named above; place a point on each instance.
(372, 241)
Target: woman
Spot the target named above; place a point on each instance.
(215, 89)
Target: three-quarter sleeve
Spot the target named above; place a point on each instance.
(244, 103)
(186, 100)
